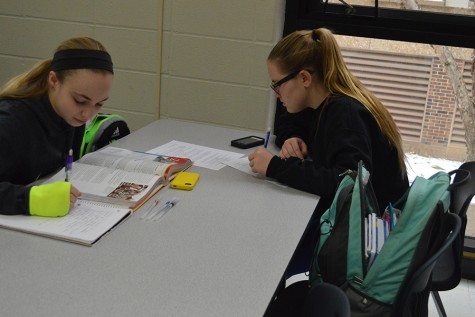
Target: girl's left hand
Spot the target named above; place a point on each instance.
(259, 160)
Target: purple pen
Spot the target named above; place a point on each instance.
(69, 165)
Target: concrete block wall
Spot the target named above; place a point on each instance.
(214, 60)
(208, 64)
(131, 31)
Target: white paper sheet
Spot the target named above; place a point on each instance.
(201, 156)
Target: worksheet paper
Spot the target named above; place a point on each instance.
(242, 164)
(201, 156)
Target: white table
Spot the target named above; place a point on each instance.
(220, 252)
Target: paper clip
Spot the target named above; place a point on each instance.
(162, 210)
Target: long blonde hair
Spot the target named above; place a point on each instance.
(318, 50)
(35, 81)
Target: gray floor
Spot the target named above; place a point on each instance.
(459, 302)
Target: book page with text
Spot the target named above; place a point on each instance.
(132, 161)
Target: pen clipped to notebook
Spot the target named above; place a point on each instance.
(68, 168)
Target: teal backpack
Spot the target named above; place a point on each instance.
(341, 256)
(103, 130)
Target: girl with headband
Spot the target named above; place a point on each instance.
(43, 113)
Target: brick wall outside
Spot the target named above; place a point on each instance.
(440, 108)
(439, 117)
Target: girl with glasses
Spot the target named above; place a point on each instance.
(339, 122)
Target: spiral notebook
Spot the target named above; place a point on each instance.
(85, 224)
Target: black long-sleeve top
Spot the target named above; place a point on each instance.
(34, 142)
(339, 134)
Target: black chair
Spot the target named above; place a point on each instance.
(299, 300)
(447, 272)
(326, 300)
(414, 297)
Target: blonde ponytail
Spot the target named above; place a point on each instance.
(31, 83)
(35, 81)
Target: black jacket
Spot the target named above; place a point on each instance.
(34, 142)
(339, 134)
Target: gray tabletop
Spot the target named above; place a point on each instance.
(220, 252)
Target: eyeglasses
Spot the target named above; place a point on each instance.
(275, 86)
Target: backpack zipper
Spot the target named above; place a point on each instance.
(347, 172)
(358, 280)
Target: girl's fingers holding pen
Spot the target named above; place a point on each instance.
(73, 196)
(75, 192)
(259, 160)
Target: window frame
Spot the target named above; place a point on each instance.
(388, 24)
(382, 23)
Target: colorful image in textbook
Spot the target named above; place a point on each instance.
(127, 190)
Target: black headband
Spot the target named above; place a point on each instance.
(81, 59)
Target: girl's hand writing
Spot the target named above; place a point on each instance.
(259, 160)
(73, 196)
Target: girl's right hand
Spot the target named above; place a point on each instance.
(73, 196)
(294, 147)
(259, 160)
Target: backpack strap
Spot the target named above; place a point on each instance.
(328, 220)
(359, 207)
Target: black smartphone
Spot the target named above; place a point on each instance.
(248, 142)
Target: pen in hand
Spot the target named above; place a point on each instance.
(69, 165)
(267, 138)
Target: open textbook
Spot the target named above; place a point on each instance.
(85, 224)
(113, 183)
(122, 177)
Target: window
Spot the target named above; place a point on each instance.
(388, 47)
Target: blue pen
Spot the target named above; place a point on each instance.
(267, 138)
(162, 210)
(69, 165)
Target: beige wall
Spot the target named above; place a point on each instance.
(213, 60)
(130, 30)
(211, 53)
